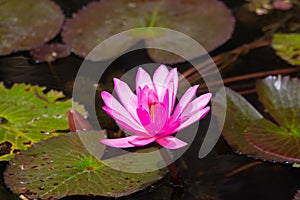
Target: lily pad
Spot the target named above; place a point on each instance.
(28, 115)
(62, 166)
(27, 23)
(287, 46)
(248, 132)
(280, 96)
(50, 52)
(101, 20)
(239, 115)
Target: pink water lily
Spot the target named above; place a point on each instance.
(149, 115)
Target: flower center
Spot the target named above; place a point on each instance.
(152, 110)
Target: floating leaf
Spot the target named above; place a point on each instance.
(274, 140)
(98, 21)
(50, 52)
(61, 166)
(239, 115)
(287, 46)
(27, 115)
(280, 96)
(27, 23)
(249, 133)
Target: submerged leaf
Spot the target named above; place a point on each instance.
(66, 168)
(287, 46)
(101, 20)
(29, 115)
(27, 23)
(248, 132)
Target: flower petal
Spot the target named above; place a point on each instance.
(171, 83)
(143, 79)
(196, 104)
(144, 116)
(127, 97)
(117, 110)
(160, 117)
(119, 142)
(159, 78)
(124, 122)
(184, 101)
(171, 142)
(142, 141)
(142, 95)
(188, 120)
(146, 121)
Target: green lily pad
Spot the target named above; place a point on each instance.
(248, 132)
(101, 20)
(274, 140)
(287, 46)
(27, 115)
(239, 115)
(62, 166)
(280, 96)
(27, 23)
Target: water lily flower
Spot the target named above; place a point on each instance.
(149, 115)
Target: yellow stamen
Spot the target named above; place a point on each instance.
(152, 110)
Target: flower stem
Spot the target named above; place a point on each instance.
(174, 176)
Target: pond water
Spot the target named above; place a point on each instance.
(213, 177)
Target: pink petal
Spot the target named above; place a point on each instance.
(159, 78)
(188, 120)
(127, 97)
(111, 102)
(142, 141)
(184, 101)
(119, 142)
(146, 121)
(197, 104)
(125, 122)
(160, 117)
(171, 142)
(171, 83)
(142, 95)
(117, 110)
(143, 79)
(152, 97)
(144, 116)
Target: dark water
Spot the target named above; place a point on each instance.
(203, 178)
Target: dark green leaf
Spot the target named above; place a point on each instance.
(274, 140)
(62, 166)
(240, 115)
(281, 97)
